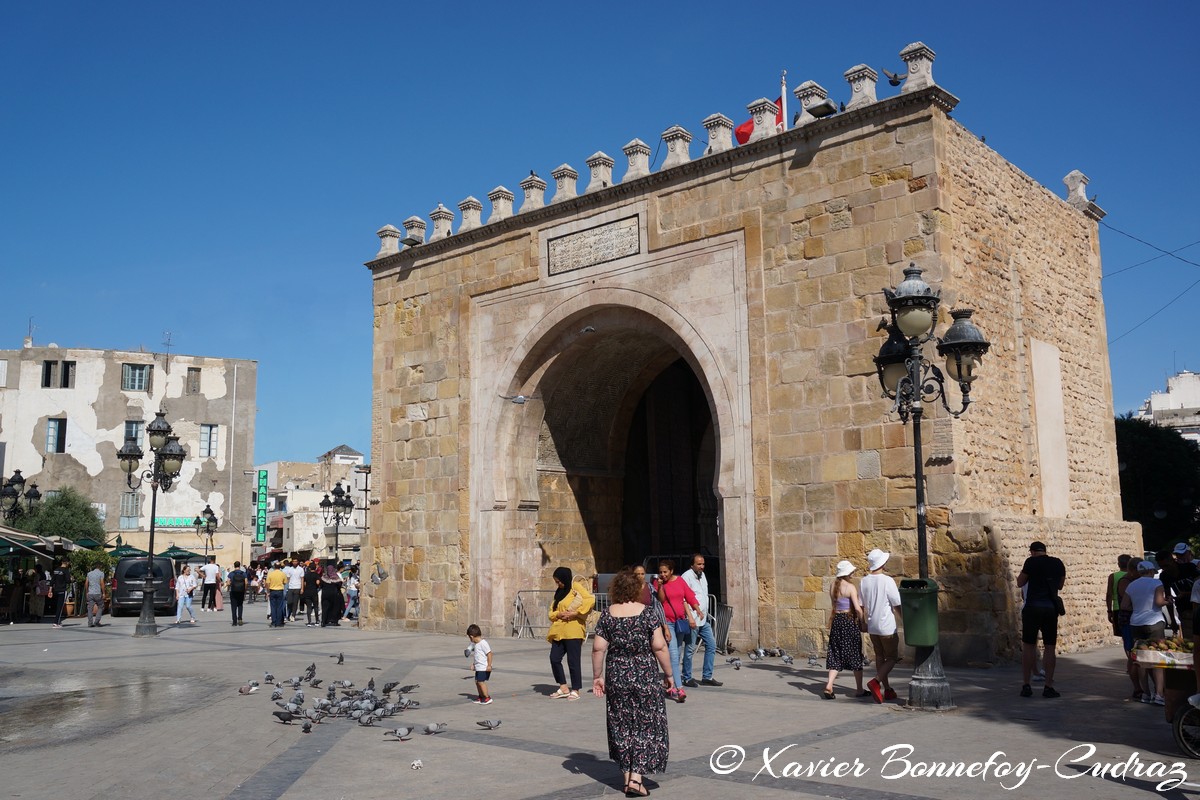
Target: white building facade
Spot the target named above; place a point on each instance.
(1178, 407)
(65, 412)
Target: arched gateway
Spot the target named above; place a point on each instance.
(682, 361)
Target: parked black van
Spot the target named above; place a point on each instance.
(129, 580)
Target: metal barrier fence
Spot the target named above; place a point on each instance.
(531, 615)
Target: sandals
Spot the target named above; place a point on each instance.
(629, 792)
(828, 695)
(560, 693)
(572, 695)
(864, 693)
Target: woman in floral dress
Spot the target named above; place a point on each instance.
(627, 655)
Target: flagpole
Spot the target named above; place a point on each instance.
(783, 97)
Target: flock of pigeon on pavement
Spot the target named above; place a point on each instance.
(366, 706)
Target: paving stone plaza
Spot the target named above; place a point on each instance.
(96, 713)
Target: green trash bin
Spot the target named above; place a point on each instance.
(919, 605)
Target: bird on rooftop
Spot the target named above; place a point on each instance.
(894, 79)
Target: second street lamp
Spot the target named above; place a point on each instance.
(205, 524)
(337, 512)
(168, 461)
(909, 380)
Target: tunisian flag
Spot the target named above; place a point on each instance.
(743, 131)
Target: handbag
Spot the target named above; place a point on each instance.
(682, 625)
(1058, 605)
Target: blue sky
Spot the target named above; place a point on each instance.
(218, 170)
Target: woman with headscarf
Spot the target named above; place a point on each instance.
(331, 596)
(310, 594)
(568, 617)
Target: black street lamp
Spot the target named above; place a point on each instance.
(909, 379)
(168, 461)
(336, 512)
(11, 494)
(205, 524)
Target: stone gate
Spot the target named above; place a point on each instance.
(680, 360)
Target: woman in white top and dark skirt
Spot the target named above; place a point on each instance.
(845, 632)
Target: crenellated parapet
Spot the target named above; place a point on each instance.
(764, 124)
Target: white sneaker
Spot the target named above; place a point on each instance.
(1147, 697)
(1159, 700)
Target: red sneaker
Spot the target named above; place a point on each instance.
(890, 694)
(876, 690)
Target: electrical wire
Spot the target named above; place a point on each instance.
(1172, 254)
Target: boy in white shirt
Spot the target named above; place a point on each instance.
(482, 651)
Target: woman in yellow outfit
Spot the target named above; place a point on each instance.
(568, 628)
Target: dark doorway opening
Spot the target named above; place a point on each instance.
(669, 507)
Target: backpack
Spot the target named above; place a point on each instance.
(237, 581)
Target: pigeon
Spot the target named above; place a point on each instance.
(412, 687)
(311, 672)
(416, 764)
(788, 659)
(387, 687)
(277, 694)
(813, 662)
(366, 720)
(247, 689)
(401, 734)
(298, 698)
(434, 727)
(268, 677)
(893, 78)
(291, 708)
(371, 684)
(306, 727)
(315, 683)
(346, 684)
(489, 724)
(341, 658)
(737, 663)
(252, 683)
(731, 659)
(285, 717)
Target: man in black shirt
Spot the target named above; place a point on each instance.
(1045, 576)
(60, 579)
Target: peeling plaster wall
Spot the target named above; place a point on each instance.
(96, 409)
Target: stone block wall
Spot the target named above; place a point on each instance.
(820, 219)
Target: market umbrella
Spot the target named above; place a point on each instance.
(178, 553)
(88, 543)
(126, 550)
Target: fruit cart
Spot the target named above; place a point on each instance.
(1175, 656)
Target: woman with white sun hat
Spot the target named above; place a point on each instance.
(845, 632)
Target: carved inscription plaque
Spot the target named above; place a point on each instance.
(593, 246)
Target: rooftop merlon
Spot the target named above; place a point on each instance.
(470, 210)
(720, 133)
(443, 219)
(763, 112)
(600, 165)
(678, 141)
(535, 193)
(502, 200)
(389, 241)
(565, 181)
(638, 153)
(919, 59)
(862, 80)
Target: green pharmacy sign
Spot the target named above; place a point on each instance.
(260, 513)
